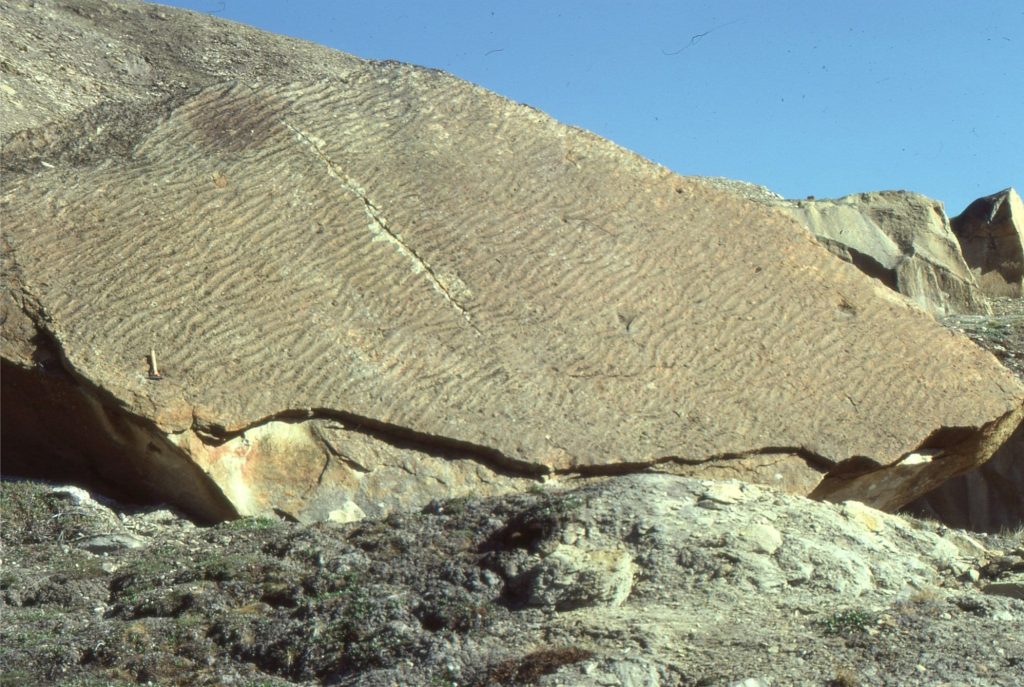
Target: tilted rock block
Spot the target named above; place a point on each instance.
(989, 498)
(370, 285)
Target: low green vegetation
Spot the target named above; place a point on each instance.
(848, 622)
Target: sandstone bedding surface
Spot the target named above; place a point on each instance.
(646, 580)
(369, 279)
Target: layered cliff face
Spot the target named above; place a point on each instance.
(257, 275)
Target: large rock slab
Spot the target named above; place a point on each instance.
(902, 239)
(991, 235)
(375, 284)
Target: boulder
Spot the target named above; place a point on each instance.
(902, 239)
(336, 288)
(991, 235)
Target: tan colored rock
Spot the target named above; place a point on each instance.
(928, 467)
(991, 235)
(989, 498)
(902, 239)
(329, 470)
(373, 285)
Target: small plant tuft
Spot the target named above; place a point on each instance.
(849, 622)
(844, 678)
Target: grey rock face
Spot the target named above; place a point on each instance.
(902, 239)
(991, 232)
(758, 540)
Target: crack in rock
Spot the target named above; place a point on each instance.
(335, 453)
(815, 460)
(394, 435)
(379, 226)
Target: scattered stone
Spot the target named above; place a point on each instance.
(746, 189)
(1012, 586)
(764, 538)
(110, 543)
(722, 493)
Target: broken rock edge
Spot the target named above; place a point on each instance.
(446, 448)
(150, 113)
(212, 507)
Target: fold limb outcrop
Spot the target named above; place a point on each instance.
(373, 284)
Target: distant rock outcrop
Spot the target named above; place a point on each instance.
(902, 239)
(370, 285)
(991, 234)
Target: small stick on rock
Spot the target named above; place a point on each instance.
(154, 371)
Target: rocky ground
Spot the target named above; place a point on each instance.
(643, 580)
(1002, 333)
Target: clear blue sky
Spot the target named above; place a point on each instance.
(807, 97)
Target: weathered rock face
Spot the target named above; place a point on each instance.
(373, 284)
(989, 498)
(902, 239)
(991, 234)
